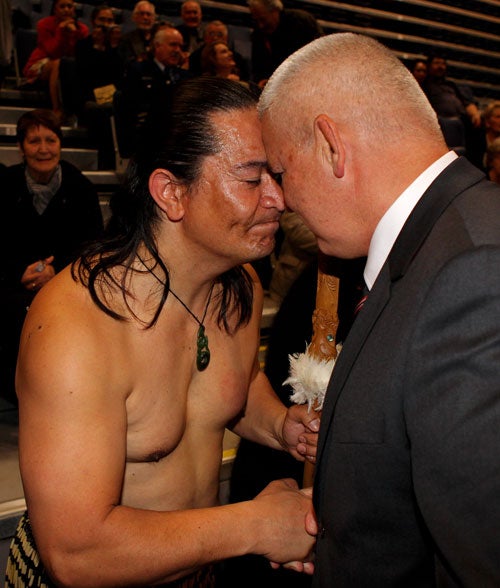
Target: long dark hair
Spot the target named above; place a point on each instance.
(181, 143)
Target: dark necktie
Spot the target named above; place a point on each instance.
(362, 300)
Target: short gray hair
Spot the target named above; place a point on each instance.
(268, 5)
(357, 79)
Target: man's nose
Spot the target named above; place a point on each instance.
(272, 196)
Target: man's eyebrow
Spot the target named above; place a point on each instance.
(250, 165)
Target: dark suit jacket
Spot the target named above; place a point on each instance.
(296, 29)
(143, 104)
(408, 477)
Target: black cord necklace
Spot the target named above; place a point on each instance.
(202, 350)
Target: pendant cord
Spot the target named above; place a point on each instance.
(202, 350)
(200, 323)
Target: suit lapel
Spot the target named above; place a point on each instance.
(458, 176)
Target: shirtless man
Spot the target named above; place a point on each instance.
(123, 409)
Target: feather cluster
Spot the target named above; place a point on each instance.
(309, 377)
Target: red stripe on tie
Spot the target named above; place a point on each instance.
(360, 304)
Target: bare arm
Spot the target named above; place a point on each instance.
(267, 421)
(73, 424)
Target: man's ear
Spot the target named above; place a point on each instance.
(168, 193)
(330, 132)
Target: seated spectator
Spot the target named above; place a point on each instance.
(448, 99)
(491, 118)
(418, 68)
(217, 60)
(191, 28)
(48, 209)
(451, 101)
(147, 88)
(57, 38)
(279, 32)
(98, 75)
(216, 30)
(135, 45)
(493, 160)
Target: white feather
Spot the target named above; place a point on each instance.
(309, 379)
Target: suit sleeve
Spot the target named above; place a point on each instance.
(453, 415)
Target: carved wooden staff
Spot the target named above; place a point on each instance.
(310, 371)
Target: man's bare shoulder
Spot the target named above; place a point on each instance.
(65, 301)
(67, 336)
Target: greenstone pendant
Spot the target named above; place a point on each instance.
(202, 350)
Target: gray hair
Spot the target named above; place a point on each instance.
(138, 4)
(268, 5)
(357, 81)
(161, 34)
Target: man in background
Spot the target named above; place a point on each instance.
(135, 45)
(215, 31)
(278, 33)
(191, 28)
(147, 89)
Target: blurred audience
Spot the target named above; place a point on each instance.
(49, 209)
(418, 68)
(135, 45)
(57, 38)
(216, 30)
(147, 87)
(278, 33)
(191, 28)
(446, 97)
(98, 74)
(491, 118)
(217, 60)
(493, 160)
(454, 105)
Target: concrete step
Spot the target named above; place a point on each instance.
(24, 96)
(83, 159)
(70, 134)
(11, 114)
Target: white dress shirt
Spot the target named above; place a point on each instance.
(392, 222)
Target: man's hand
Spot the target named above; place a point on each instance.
(300, 432)
(290, 525)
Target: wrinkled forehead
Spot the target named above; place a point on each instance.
(238, 135)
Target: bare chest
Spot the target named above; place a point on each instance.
(172, 404)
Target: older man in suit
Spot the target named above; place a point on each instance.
(408, 480)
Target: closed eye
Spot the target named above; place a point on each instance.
(255, 182)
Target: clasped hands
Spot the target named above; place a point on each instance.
(300, 438)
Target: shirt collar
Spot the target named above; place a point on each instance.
(392, 222)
